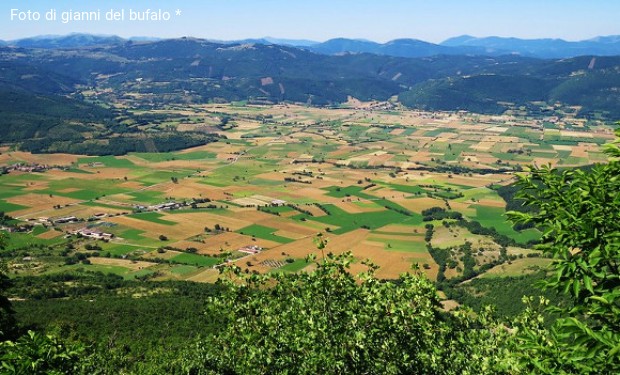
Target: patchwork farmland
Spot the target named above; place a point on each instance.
(386, 185)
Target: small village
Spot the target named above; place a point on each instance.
(32, 168)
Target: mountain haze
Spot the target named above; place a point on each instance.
(397, 48)
(460, 45)
(540, 48)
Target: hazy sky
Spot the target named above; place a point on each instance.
(383, 20)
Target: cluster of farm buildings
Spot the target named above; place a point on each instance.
(30, 168)
(162, 206)
(94, 234)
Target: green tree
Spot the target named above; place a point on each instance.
(579, 213)
(330, 321)
(36, 353)
(7, 319)
(32, 353)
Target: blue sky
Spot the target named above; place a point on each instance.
(324, 19)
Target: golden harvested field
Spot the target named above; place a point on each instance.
(154, 230)
(40, 201)
(207, 276)
(130, 264)
(190, 224)
(50, 234)
(102, 173)
(200, 219)
(132, 185)
(68, 190)
(182, 164)
(393, 263)
(575, 134)
(336, 244)
(412, 237)
(36, 186)
(492, 202)
(227, 241)
(249, 202)
(231, 241)
(420, 204)
(26, 157)
(484, 146)
(399, 228)
(72, 210)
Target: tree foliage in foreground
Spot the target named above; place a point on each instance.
(579, 213)
(330, 321)
(35, 353)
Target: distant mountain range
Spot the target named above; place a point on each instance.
(540, 48)
(461, 45)
(397, 48)
(74, 40)
(41, 88)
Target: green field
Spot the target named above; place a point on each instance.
(195, 260)
(493, 217)
(402, 245)
(263, 232)
(157, 177)
(88, 188)
(296, 266)
(147, 196)
(372, 220)
(125, 273)
(235, 174)
(338, 192)
(108, 161)
(153, 217)
(26, 240)
(9, 207)
(9, 190)
(411, 189)
(132, 234)
(167, 156)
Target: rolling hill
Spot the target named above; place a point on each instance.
(40, 89)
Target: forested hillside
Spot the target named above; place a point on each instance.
(197, 71)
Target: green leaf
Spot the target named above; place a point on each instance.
(599, 299)
(588, 283)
